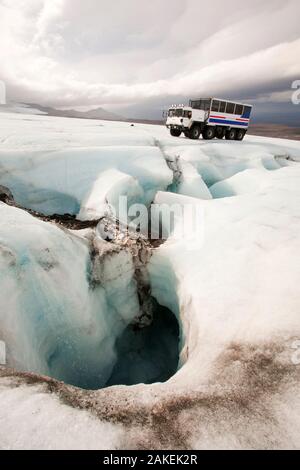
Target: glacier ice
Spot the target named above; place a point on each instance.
(49, 308)
(233, 289)
(65, 306)
(59, 180)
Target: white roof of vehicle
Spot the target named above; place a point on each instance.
(222, 99)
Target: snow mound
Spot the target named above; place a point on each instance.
(192, 183)
(106, 193)
(253, 181)
(237, 284)
(247, 181)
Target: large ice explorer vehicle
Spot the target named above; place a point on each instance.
(210, 117)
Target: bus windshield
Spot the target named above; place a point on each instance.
(175, 112)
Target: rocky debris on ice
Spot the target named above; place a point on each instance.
(120, 238)
(6, 195)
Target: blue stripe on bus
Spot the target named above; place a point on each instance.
(233, 123)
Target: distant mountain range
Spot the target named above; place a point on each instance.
(98, 113)
(33, 108)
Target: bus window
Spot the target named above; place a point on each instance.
(215, 106)
(239, 109)
(230, 108)
(205, 105)
(195, 104)
(247, 111)
(222, 107)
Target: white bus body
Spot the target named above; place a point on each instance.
(210, 117)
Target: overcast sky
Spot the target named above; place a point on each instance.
(136, 56)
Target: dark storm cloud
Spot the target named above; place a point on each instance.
(140, 55)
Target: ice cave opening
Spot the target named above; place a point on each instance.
(149, 354)
(145, 354)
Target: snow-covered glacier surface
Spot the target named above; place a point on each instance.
(69, 303)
